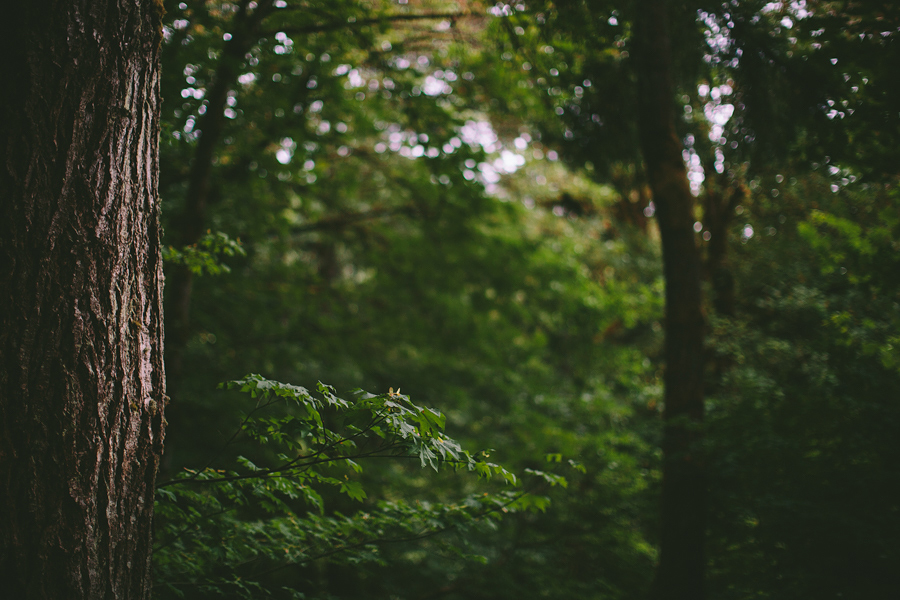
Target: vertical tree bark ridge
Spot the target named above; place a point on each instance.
(82, 383)
(680, 573)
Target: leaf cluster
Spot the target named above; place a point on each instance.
(235, 531)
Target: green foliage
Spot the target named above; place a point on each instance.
(387, 243)
(225, 531)
(204, 256)
(535, 332)
(803, 421)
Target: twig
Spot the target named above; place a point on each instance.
(323, 27)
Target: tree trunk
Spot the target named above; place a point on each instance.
(722, 196)
(193, 222)
(81, 371)
(680, 573)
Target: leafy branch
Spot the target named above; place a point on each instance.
(259, 514)
(205, 255)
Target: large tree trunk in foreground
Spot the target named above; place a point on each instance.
(680, 574)
(81, 370)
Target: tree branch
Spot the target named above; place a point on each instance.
(347, 219)
(323, 27)
(411, 538)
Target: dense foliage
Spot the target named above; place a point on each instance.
(447, 198)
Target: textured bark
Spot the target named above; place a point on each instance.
(680, 573)
(81, 371)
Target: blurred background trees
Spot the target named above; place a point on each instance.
(449, 198)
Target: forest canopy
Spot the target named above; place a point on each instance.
(458, 200)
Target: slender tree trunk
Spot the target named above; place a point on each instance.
(193, 222)
(720, 201)
(82, 385)
(680, 574)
